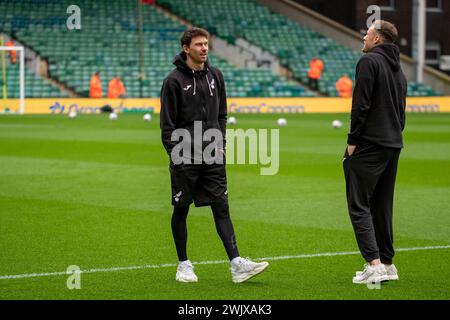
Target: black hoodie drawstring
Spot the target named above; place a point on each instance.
(195, 82)
(209, 86)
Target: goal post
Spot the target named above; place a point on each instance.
(12, 105)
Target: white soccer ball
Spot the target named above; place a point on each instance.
(336, 124)
(113, 116)
(72, 114)
(282, 122)
(147, 117)
(232, 120)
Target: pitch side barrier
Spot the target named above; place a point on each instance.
(235, 105)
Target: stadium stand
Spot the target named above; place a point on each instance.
(107, 43)
(35, 86)
(293, 43)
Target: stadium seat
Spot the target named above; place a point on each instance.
(107, 42)
(293, 43)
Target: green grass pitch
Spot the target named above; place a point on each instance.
(95, 193)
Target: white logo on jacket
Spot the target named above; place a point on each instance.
(177, 196)
(187, 87)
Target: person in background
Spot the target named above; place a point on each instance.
(116, 89)
(344, 86)
(95, 86)
(12, 54)
(315, 72)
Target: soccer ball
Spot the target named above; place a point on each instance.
(232, 120)
(147, 117)
(113, 116)
(72, 114)
(336, 124)
(282, 122)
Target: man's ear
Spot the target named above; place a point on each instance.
(185, 48)
(377, 39)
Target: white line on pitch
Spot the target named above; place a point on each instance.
(158, 266)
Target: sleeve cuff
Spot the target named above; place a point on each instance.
(352, 140)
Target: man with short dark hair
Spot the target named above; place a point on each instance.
(374, 145)
(193, 94)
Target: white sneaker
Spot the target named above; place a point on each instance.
(185, 272)
(243, 269)
(392, 272)
(372, 274)
(358, 273)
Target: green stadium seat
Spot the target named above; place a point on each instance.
(293, 43)
(110, 46)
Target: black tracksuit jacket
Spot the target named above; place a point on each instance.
(188, 96)
(379, 99)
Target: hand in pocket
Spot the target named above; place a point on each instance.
(350, 149)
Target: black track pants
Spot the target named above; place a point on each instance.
(370, 174)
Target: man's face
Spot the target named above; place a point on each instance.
(371, 39)
(198, 49)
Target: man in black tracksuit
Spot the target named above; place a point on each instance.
(192, 97)
(374, 144)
